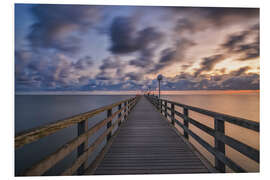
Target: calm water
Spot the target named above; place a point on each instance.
(245, 105)
(36, 110)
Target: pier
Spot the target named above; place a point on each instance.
(142, 138)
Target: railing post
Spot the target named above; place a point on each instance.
(186, 122)
(128, 106)
(82, 128)
(172, 114)
(120, 114)
(166, 108)
(125, 110)
(161, 105)
(109, 124)
(219, 145)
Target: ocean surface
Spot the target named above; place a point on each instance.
(35, 110)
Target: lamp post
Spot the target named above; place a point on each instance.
(159, 78)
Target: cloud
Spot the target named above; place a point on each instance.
(34, 71)
(208, 63)
(242, 82)
(193, 19)
(125, 39)
(170, 56)
(57, 26)
(237, 80)
(83, 63)
(240, 71)
(245, 43)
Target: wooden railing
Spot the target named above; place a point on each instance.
(221, 160)
(80, 142)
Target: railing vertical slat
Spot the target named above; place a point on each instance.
(219, 145)
(120, 114)
(109, 124)
(161, 105)
(172, 114)
(82, 128)
(125, 110)
(186, 122)
(166, 109)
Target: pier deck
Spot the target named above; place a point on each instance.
(141, 138)
(146, 144)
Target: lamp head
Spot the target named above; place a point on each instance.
(159, 77)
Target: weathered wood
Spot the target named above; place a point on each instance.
(215, 152)
(80, 160)
(120, 114)
(147, 142)
(234, 120)
(49, 161)
(248, 151)
(166, 107)
(172, 114)
(186, 122)
(32, 135)
(219, 145)
(82, 128)
(109, 124)
(220, 138)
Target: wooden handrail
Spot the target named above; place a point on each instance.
(35, 134)
(83, 134)
(218, 132)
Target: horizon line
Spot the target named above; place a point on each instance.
(132, 92)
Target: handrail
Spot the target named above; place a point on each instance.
(80, 142)
(218, 132)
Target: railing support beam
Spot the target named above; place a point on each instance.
(82, 128)
(186, 122)
(219, 145)
(172, 114)
(109, 124)
(119, 115)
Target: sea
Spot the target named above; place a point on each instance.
(32, 111)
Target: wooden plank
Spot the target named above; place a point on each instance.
(91, 169)
(147, 142)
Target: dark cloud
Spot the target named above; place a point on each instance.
(240, 71)
(171, 55)
(37, 72)
(241, 44)
(83, 63)
(125, 39)
(242, 82)
(192, 19)
(55, 25)
(225, 16)
(108, 63)
(111, 64)
(237, 80)
(208, 63)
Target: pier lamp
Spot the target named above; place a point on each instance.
(159, 78)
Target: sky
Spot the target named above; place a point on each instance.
(123, 48)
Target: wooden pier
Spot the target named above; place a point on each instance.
(147, 144)
(145, 141)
